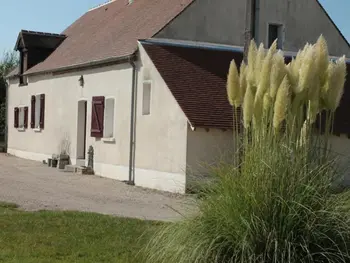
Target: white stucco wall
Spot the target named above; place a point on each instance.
(205, 149)
(340, 146)
(62, 95)
(160, 136)
(303, 20)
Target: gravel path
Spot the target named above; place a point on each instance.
(34, 186)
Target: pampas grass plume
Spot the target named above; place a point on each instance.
(233, 87)
(252, 53)
(242, 80)
(322, 59)
(278, 72)
(281, 104)
(259, 62)
(337, 75)
(306, 72)
(248, 106)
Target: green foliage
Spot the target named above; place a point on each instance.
(278, 205)
(28, 237)
(8, 61)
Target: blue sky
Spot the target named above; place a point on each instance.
(54, 16)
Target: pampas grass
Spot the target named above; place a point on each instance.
(274, 203)
(281, 104)
(233, 86)
(248, 107)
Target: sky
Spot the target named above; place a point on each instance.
(54, 16)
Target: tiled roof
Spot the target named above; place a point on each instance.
(197, 79)
(38, 39)
(111, 31)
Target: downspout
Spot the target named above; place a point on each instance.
(131, 180)
(256, 21)
(7, 113)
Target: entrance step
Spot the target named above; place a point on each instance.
(80, 162)
(82, 170)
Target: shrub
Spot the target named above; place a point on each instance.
(275, 202)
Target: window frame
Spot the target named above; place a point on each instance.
(39, 112)
(146, 112)
(22, 125)
(109, 138)
(280, 34)
(21, 119)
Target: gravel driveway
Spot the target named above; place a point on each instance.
(34, 186)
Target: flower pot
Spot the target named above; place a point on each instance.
(49, 162)
(54, 163)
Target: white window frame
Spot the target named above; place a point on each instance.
(37, 112)
(146, 100)
(21, 118)
(109, 129)
(280, 34)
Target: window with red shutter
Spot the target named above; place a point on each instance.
(97, 116)
(32, 112)
(42, 111)
(16, 117)
(26, 117)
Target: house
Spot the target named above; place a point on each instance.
(143, 83)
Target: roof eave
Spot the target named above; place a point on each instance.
(86, 65)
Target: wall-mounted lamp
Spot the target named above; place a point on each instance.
(81, 81)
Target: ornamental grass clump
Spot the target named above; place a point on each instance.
(275, 203)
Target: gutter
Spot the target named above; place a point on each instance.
(94, 63)
(131, 180)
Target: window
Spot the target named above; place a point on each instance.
(21, 118)
(109, 118)
(102, 118)
(23, 67)
(37, 111)
(146, 97)
(275, 32)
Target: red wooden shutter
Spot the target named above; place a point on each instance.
(42, 111)
(32, 113)
(16, 118)
(26, 117)
(97, 116)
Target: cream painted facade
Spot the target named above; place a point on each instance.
(168, 151)
(165, 147)
(161, 137)
(63, 94)
(207, 147)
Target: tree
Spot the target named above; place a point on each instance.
(8, 62)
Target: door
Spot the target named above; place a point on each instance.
(81, 138)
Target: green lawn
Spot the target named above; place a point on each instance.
(69, 237)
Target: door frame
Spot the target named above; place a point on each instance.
(81, 129)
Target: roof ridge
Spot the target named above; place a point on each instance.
(101, 5)
(213, 46)
(333, 22)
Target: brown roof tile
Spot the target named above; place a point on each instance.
(197, 79)
(111, 31)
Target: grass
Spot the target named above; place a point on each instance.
(35, 237)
